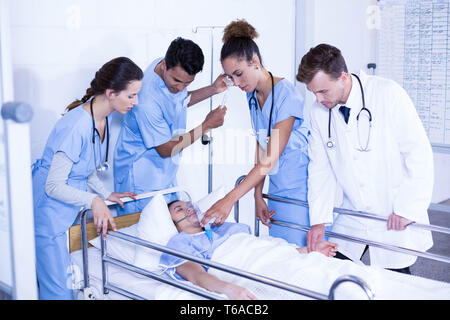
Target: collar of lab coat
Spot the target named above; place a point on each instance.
(354, 101)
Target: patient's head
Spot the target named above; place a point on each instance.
(183, 215)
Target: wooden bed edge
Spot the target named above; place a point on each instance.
(75, 231)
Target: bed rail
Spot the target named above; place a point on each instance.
(360, 214)
(248, 275)
(203, 293)
(351, 278)
(427, 255)
(82, 216)
(110, 260)
(110, 287)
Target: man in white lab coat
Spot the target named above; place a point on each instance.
(368, 152)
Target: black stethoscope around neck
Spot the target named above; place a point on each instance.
(253, 101)
(105, 165)
(331, 144)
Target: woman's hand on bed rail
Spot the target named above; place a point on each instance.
(115, 197)
(262, 212)
(102, 216)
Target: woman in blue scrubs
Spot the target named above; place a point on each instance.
(276, 109)
(76, 149)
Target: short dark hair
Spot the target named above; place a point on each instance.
(323, 57)
(186, 54)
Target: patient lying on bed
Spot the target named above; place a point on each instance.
(193, 240)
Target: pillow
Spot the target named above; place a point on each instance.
(117, 248)
(155, 225)
(206, 202)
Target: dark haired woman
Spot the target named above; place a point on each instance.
(76, 149)
(276, 110)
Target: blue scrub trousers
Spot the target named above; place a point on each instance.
(293, 214)
(53, 268)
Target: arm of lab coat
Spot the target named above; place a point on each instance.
(414, 195)
(322, 182)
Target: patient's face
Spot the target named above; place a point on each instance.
(180, 210)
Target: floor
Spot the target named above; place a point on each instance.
(434, 269)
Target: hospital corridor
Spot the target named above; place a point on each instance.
(184, 151)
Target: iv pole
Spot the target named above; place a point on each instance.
(206, 140)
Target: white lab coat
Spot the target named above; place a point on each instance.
(395, 176)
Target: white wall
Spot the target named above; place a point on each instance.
(58, 45)
(345, 24)
(441, 191)
(351, 26)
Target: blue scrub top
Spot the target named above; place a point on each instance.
(198, 245)
(159, 116)
(72, 134)
(291, 170)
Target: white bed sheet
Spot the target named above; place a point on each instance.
(130, 281)
(275, 258)
(243, 252)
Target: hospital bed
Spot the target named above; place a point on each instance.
(99, 275)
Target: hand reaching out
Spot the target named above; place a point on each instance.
(262, 212)
(115, 197)
(315, 236)
(325, 247)
(220, 210)
(102, 216)
(215, 118)
(220, 84)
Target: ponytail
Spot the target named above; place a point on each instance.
(76, 103)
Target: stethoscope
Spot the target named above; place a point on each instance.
(253, 101)
(105, 165)
(331, 144)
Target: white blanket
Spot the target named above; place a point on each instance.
(275, 258)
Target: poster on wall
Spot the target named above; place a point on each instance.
(413, 50)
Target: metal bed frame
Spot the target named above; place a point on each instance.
(360, 214)
(106, 259)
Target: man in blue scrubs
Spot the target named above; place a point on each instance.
(153, 133)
